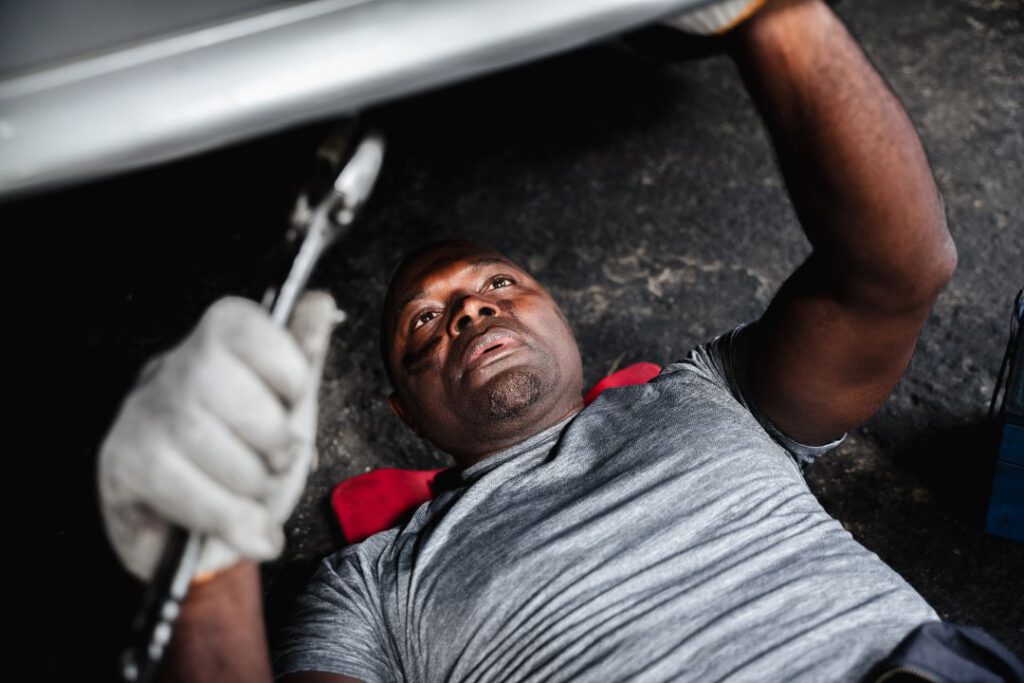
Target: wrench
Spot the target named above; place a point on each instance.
(331, 218)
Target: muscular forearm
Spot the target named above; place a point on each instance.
(855, 168)
(220, 635)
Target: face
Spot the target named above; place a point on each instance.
(479, 351)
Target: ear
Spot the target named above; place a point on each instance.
(399, 409)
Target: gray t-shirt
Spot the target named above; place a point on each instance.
(663, 533)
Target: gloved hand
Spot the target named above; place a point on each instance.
(220, 438)
(715, 18)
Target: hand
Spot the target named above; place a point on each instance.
(221, 437)
(716, 18)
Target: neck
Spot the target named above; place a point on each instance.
(522, 430)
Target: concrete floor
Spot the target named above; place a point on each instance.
(644, 196)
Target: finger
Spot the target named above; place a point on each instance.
(312, 321)
(180, 492)
(138, 536)
(274, 356)
(289, 485)
(234, 394)
(220, 453)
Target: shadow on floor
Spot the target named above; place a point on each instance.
(957, 465)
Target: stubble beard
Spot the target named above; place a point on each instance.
(512, 393)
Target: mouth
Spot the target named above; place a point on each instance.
(488, 346)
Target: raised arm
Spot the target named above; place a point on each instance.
(841, 330)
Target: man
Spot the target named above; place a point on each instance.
(665, 532)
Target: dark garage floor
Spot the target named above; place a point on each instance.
(645, 197)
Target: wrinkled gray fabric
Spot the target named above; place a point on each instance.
(660, 534)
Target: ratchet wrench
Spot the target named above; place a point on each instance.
(322, 224)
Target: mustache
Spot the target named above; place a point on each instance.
(458, 350)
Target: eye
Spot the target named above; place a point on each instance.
(500, 281)
(423, 318)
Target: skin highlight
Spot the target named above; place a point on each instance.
(479, 353)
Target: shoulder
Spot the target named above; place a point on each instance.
(337, 624)
(714, 361)
(709, 373)
(721, 366)
(358, 558)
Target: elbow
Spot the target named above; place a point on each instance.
(933, 268)
(937, 255)
(946, 263)
(904, 271)
(942, 259)
(912, 281)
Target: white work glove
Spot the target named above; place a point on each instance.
(220, 438)
(715, 18)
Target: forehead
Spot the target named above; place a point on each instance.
(430, 265)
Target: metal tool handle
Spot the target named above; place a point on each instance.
(167, 590)
(329, 220)
(161, 605)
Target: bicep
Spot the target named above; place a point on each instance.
(819, 363)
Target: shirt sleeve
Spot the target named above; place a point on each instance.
(337, 625)
(721, 361)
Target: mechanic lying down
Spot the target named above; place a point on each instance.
(663, 533)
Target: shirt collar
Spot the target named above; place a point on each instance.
(541, 441)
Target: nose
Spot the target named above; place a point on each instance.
(467, 310)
